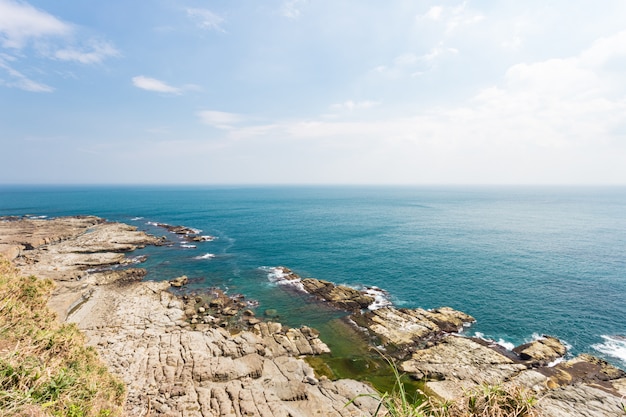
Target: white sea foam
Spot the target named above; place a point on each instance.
(614, 346)
(278, 276)
(501, 342)
(187, 246)
(505, 344)
(556, 362)
(137, 259)
(207, 238)
(381, 297)
(137, 218)
(205, 256)
(152, 223)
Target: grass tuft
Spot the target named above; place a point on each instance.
(45, 367)
(482, 401)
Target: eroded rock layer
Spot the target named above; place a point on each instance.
(171, 367)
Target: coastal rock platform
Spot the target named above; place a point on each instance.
(141, 330)
(427, 346)
(173, 366)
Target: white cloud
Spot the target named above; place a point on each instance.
(206, 19)
(410, 64)
(21, 22)
(434, 13)
(437, 52)
(25, 29)
(604, 50)
(94, 53)
(556, 120)
(19, 80)
(452, 17)
(152, 84)
(220, 119)
(354, 105)
(292, 9)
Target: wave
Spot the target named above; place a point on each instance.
(137, 218)
(614, 346)
(501, 342)
(381, 297)
(205, 256)
(283, 276)
(137, 259)
(187, 246)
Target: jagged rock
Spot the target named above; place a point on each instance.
(172, 368)
(188, 370)
(459, 359)
(580, 400)
(118, 276)
(583, 369)
(76, 252)
(338, 295)
(179, 281)
(408, 330)
(542, 351)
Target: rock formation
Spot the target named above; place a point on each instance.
(426, 347)
(340, 296)
(542, 351)
(170, 366)
(406, 330)
(141, 331)
(209, 355)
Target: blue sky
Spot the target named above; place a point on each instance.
(313, 92)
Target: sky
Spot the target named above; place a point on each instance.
(313, 92)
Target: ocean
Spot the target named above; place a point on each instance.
(524, 261)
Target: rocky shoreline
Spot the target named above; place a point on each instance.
(209, 354)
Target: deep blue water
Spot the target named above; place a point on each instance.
(523, 261)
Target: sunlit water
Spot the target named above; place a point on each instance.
(523, 261)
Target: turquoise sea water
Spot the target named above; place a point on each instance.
(523, 261)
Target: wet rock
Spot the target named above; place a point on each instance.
(179, 281)
(405, 330)
(342, 297)
(541, 352)
(119, 276)
(583, 369)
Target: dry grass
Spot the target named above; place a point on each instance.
(482, 401)
(45, 367)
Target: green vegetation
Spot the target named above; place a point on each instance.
(45, 367)
(353, 358)
(482, 401)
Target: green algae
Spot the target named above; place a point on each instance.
(353, 357)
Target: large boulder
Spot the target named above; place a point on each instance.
(541, 352)
(179, 281)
